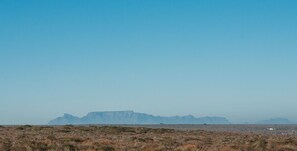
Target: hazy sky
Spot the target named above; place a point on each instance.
(236, 59)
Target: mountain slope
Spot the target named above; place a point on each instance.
(66, 119)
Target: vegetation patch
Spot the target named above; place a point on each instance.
(110, 138)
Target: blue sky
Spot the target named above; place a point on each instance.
(235, 59)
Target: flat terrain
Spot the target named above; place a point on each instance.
(240, 128)
(149, 137)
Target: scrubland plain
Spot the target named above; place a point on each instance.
(109, 138)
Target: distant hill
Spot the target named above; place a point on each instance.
(276, 121)
(130, 117)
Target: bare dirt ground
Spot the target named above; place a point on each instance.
(149, 138)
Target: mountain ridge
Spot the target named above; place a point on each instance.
(131, 117)
(276, 121)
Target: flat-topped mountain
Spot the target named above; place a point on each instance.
(131, 117)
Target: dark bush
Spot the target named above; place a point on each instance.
(107, 148)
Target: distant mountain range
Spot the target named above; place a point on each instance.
(276, 121)
(131, 117)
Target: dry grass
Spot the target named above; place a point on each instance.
(109, 138)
